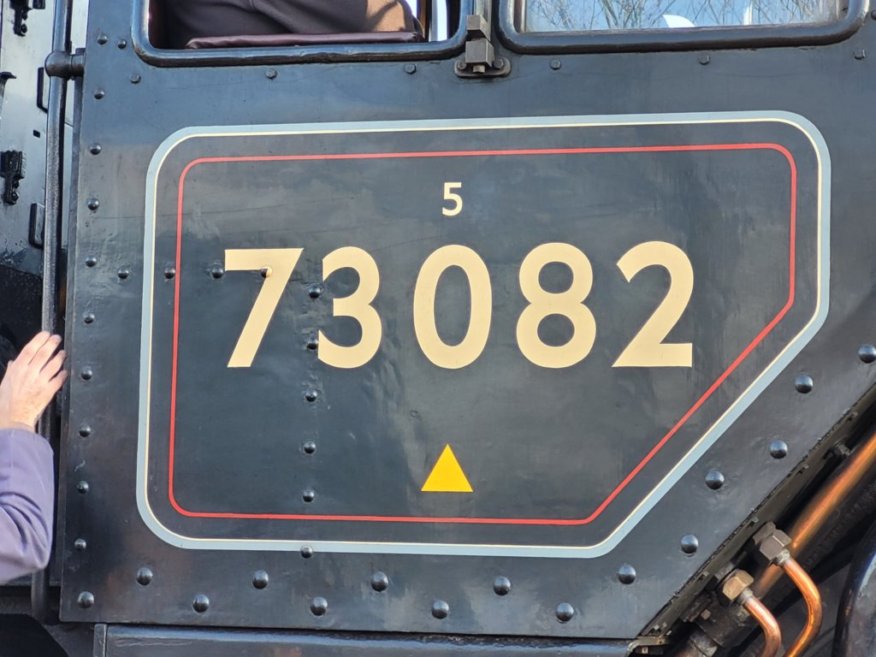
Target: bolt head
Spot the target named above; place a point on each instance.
(201, 603)
(689, 544)
(565, 612)
(867, 353)
(260, 579)
(502, 585)
(440, 609)
(318, 606)
(626, 574)
(144, 576)
(714, 479)
(778, 449)
(804, 383)
(379, 581)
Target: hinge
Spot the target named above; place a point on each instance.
(20, 10)
(12, 171)
(480, 59)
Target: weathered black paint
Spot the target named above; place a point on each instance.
(831, 85)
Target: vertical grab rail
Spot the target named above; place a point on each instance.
(59, 68)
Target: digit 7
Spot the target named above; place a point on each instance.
(277, 266)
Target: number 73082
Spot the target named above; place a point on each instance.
(646, 349)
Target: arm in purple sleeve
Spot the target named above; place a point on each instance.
(26, 503)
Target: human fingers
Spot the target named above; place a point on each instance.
(57, 383)
(54, 365)
(32, 347)
(45, 352)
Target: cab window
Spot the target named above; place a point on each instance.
(602, 15)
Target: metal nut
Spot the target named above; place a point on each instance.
(771, 543)
(734, 585)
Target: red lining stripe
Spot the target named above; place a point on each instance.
(429, 154)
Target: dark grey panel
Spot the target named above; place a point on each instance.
(826, 85)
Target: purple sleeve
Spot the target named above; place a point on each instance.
(26, 502)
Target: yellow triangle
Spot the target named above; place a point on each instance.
(447, 476)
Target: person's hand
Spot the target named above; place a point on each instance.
(31, 381)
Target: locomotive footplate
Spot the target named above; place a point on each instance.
(505, 337)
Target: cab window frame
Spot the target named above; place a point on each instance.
(674, 39)
(312, 53)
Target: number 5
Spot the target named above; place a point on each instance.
(452, 197)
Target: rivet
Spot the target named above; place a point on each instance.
(136, 78)
(318, 606)
(778, 449)
(689, 544)
(873, 14)
(83, 487)
(804, 383)
(265, 272)
(144, 576)
(201, 603)
(85, 600)
(271, 74)
(860, 54)
(99, 94)
(308, 495)
(306, 551)
(124, 272)
(714, 479)
(556, 64)
(440, 609)
(90, 261)
(169, 272)
(311, 395)
(867, 353)
(314, 291)
(626, 574)
(379, 581)
(704, 59)
(260, 579)
(565, 612)
(102, 39)
(121, 44)
(502, 585)
(80, 545)
(86, 373)
(217, 272)
(85, 431)
(410, 69)
(88, 318)
(93, 204)
(95, 149)
(313, 343)
(309, 447)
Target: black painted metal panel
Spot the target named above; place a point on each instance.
(116, 569)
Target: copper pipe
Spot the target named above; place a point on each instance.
(820, 507)
(772, 633)
(812, 598)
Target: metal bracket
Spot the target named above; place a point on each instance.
(21, 9)
(12, 171)
(479, 60)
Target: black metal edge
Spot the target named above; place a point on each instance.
(327, 53)
(706, 38)
(172, 642)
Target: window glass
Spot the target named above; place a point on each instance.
(588, 15)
